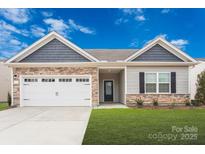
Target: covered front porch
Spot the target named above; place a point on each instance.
(111, 86)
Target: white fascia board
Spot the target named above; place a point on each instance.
(75, 47)
(74, 64)
(32, 50)
(141, 51)
(47, 39)
(180, 54)
(101, 64)
(29, 48)
(178, 50)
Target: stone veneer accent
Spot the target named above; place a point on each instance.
(55, 71)
(162, 98)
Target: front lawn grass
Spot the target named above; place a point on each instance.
(3, 106)
(137, 126)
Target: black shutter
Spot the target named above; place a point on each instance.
(173, 82)
(141, 81)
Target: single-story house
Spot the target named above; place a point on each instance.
(55, 72)
(5, 81)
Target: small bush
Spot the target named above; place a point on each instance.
(155, 102)
(139, 102)
(9, 99)
(195, 102)
(173, 104)
(187, 102)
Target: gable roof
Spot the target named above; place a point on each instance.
(49, 37)
(200, 59)
(2, 60)
(168, 46)
(157, 54)
(111, 55)
(104, 55)
(54, 52)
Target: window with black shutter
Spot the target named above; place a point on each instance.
(141, 82)
(173, 82)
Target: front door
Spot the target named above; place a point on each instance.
(108, 90)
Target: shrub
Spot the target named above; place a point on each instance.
(195, 102)
(139, 102)
(173, 104)
(9, 99)
(200, 91)
(155, 102)
(187, 102)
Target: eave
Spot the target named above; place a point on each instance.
(101, 64)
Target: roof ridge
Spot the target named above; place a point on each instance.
(108, 49)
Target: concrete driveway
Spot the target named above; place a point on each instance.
(43, 125)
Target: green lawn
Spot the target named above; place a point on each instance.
(145, 126)
(3, 106)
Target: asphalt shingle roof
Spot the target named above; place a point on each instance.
(111, 54)
(2, 60)
(199, 59)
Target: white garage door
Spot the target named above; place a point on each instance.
(56, 91)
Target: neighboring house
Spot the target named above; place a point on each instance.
(55, 72)
(5, 81)
(194, 71)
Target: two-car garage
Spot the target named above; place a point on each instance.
(52, 90)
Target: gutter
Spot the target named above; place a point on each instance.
(101, 64)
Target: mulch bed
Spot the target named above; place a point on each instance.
(183, 107)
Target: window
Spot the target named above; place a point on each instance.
(157, 82)
(30, 80)
(164, 82)
(47, 80)
(82, 80)
(65, 80)
(151, 82)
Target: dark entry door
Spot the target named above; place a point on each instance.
(108, 90)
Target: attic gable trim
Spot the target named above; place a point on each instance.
(76, 48)
(28, 48)
(41, 42)
(179, 51)
(165, 44)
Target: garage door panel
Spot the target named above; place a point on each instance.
(56, 91)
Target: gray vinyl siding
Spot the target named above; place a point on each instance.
(158, 53)
(55, 51)
(181, 78)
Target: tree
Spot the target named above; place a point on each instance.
(200, 85)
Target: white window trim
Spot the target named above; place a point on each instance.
(164, 82)
(157, 82)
